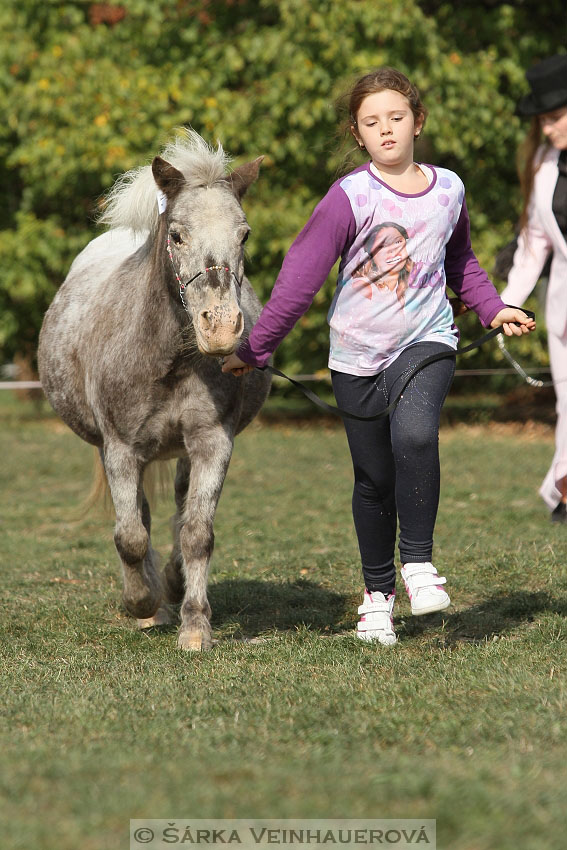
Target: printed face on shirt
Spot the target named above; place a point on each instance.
(389, 252)
(386, 126)
(554, 127)
(388, 266)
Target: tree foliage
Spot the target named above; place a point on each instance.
(89, 90)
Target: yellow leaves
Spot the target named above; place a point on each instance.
(115, 154)
(57, 51)
(211, 102)
(322, 374)
(455, 58)
(43, 84)
(101, 120)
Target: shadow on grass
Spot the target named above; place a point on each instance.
(249, 607)
(494, 616)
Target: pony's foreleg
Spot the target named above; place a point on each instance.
(209, 456)
(141, 582)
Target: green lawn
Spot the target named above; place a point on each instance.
(289, 716)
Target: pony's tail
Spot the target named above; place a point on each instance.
(158, 482)
(99, 493)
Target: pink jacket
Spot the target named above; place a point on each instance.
(541, 236)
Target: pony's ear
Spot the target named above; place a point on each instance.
(167, 177)
(243, 176)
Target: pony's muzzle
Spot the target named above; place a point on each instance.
(220, 330)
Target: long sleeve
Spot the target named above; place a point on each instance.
(307, 265)
(465, 276)
(534, 247)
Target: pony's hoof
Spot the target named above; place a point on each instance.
(163, 617)
(193, 641)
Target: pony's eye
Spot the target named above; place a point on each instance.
(176, 237)
(245, 237)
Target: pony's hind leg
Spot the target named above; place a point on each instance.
(174, 573)
(141, 582)
(209, 455)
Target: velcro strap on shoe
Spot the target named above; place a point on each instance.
(374, 607)
(379, 622)
(414, 569)
(423, 580)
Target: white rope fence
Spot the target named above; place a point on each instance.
(460, 373)
(20, 385)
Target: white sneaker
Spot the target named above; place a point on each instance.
(424, 588)
(376, 621)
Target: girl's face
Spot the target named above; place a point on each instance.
(389, 252)
(554, 127)
(386, 126)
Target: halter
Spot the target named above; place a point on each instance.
(183, 286)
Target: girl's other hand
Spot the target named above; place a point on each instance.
(234, 364)
(514, 321)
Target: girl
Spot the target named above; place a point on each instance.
(544, 229)
(375, 341)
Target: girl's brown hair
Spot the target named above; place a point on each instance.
(528, 167)
(380, 80)
(376, 81)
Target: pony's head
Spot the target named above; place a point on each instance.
(199, 229)
(206, 229)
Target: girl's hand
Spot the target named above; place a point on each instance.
(514, 321)
(234, 364)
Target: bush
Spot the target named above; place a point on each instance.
(89, 90)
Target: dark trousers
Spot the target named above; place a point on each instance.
(395, 460)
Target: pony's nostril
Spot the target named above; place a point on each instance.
(206, 320)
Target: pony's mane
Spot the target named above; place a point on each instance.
(132, 201)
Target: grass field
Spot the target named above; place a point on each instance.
(289, 716)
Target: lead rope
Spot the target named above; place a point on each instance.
(433, 358)
(533, 382)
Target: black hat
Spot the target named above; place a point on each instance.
(548, 83)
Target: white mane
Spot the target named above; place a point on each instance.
(131, 202)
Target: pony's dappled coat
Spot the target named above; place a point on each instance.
(124, 363)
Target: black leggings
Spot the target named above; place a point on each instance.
(395, 459)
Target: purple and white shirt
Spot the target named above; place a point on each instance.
(398, 253)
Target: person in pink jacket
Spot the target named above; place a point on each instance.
(544, 231)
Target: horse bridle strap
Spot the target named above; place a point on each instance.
(183, 286)
(433, 358)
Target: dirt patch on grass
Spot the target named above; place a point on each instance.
(529, 431)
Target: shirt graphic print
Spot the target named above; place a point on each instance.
(391, 286)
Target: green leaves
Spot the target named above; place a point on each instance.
(90, 90)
